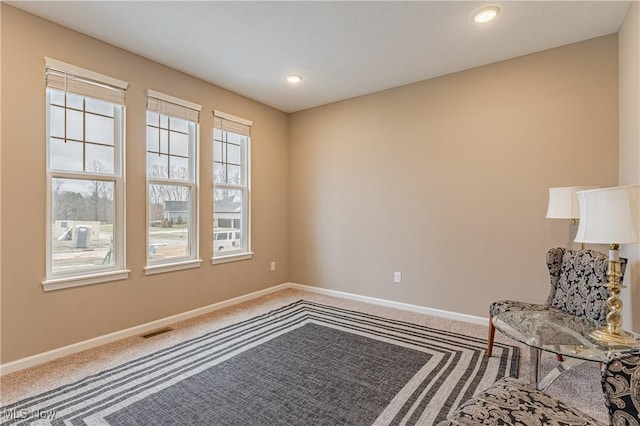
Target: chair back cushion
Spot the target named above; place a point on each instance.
(581, 284)
(554, 264)
(621, 388)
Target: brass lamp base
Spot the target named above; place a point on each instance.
(612, 333)
(621, 337)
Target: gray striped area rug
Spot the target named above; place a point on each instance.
(302, 364)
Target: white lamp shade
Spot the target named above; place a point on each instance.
(563, 202)
(609, 215)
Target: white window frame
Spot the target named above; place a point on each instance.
(227, 122)
(71, 79)
(174, 107)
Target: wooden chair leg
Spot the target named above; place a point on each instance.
(492, 332)
(559, 357)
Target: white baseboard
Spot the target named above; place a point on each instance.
(40, 358)
(33, 360)
(391, 304)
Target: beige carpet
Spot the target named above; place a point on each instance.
(579, 387)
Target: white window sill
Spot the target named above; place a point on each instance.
(231, 258)
(170, 267)
(87, 279)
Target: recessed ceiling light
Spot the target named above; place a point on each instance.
(485, 14)
(294, 78)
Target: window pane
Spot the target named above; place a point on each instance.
(99, 107)
(152, 118)
(236, 138)
(65, 155)
(179, 144)
(179, 168)
(217, 150)
(56, 122)
(229, 159)
(169, 214)
(74, 125)
(179, 125)
(75, 101)
(153, 139)
(228, 206)
(234, 174)
(164, 121)
(233, 154)
(99, 129)
(83, 224)
(157, 166)
(56, 97)
(217, 134)
(218, 173)
(164, 141)
(99, 158)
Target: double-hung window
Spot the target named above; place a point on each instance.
(85, 176)
(172, 177)
(231, 188)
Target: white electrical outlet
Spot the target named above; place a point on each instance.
(397, 277)
(273, 266)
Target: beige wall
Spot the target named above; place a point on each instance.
(446, 180)
(34, 321)
(629, 98)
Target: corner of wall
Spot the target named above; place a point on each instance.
(629, 144)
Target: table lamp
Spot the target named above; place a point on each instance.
(563, 203)
(611, 216)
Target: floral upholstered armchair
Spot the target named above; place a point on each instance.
(578, 279)
(512, 402)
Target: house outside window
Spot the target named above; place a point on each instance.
(85, 176)
(231, 188)
(172, 177)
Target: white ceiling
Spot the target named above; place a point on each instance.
(343, 49)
